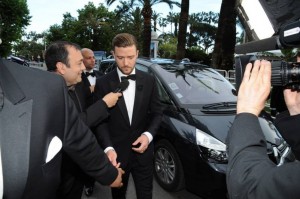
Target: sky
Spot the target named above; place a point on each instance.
(49, 12)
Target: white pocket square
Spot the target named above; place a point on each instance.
(54, 147)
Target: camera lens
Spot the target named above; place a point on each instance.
(285, 74)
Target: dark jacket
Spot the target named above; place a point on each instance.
(147, 113)
(43, 110)
(250, 172)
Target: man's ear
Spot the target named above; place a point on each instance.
(137, 53)
(60, 68)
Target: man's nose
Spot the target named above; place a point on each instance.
(82, 67)
(125, 62)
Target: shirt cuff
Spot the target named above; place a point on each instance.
(108, 148)
(149, 136)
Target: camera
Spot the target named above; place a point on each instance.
(286, 74)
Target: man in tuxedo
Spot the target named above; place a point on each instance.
(250, 172)
(65, 59)
(128, 133)
(38, 120)
(89, 76)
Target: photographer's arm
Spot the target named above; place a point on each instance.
(250, 172)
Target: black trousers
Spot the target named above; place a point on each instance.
(143, 179)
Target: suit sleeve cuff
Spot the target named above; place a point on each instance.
(108, 148)
(149, 136)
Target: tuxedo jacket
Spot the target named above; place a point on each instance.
(250, 172)
(117, 131)
(85, 80)
(85, 85)
(91, 113)
(41, 110)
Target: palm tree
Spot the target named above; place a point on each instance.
(222, 57)
(162, 22)
(155, 17)
(193, 21)
(176, 22)
(147, 13)
(183, 21)
(170, 18)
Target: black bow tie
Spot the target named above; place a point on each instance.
(90, 74)
(132, 77)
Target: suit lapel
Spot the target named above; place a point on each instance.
(15, 122)
(138, 101)
(85, 79)
(121, 102)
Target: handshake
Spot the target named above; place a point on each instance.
(118, 181)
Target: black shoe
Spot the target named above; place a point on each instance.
(88, 191)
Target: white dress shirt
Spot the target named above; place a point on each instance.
(91, 79)
(129, 96)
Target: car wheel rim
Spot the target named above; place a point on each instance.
(165, 166)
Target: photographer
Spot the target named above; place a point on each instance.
(250, 172)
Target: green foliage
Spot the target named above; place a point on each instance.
(167, 49)
(31, 48)
(203, 29)
(288, 54)
(14, 17)
(195, 54)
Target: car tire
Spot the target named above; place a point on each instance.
(168, 169)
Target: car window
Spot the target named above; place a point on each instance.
(107, 66)
(196, 85)
(142, 67)
(163, 95)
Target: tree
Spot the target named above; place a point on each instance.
(155, 17)
(31, 47)
(202, 29)
(162, 22)
(171, 19)
(147, 13)
(93, 29)
(226, 36)
(183, 21)
(167, 49)
(14, 17)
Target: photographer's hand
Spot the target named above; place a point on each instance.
(292, 100)
(255, 88)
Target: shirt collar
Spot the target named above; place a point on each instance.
(89, 71)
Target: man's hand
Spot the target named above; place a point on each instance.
(118, 181)
(143, 143)
(292, 100)
(255, 88)
(111, 99)
(112, 156)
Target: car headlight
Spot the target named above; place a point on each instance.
(213, 149)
